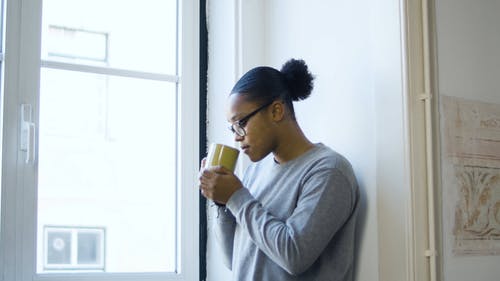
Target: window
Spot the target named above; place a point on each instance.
(102, 166)
(74, 248)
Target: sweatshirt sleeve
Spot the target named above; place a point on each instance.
(325, 203)
(225, 225)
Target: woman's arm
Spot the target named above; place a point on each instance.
(224, 227)
(326, 202)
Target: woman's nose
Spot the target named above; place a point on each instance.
(238, 138)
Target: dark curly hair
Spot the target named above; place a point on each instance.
(264, 84)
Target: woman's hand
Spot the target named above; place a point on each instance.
(218, 183)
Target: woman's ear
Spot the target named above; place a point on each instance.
(278, 110)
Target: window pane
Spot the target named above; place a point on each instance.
(88, 248)
(136, 35)
(107, 158)
(59, 248)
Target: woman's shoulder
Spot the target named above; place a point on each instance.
(326, 157)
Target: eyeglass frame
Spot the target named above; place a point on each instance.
(242, 122)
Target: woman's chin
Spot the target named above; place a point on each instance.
(254, 157)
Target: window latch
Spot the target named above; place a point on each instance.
(27, 133)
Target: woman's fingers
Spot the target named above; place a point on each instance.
(221, 170)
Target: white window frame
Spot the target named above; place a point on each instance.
(73, 232)
(19, 196)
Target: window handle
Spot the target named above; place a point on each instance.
(28, 133)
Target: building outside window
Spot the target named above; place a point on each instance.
(102, 98)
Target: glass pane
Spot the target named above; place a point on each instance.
(136, 35)
(59, 248)
(107, 158)
(88, 248)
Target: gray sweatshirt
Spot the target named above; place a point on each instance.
(294, 221)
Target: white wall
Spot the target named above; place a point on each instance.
(353, 48)
(333, 37)
(392, 175)
(468, 41)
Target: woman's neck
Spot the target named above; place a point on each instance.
(292, 144)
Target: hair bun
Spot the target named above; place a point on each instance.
(298, 79)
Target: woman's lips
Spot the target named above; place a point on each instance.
(245, 148)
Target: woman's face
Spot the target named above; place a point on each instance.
(259, 139)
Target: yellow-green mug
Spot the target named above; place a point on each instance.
(222, 155)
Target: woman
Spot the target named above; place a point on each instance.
(293, 215)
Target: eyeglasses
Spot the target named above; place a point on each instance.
(238, 126)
